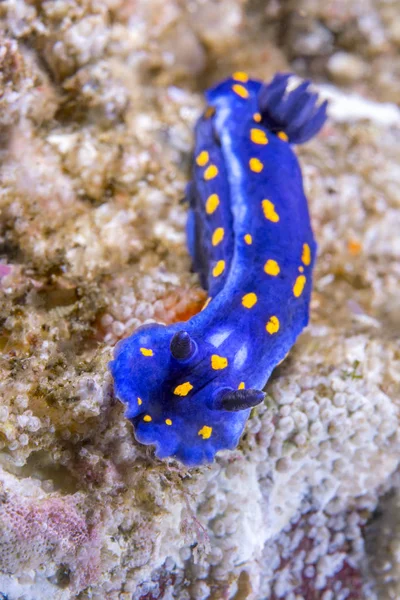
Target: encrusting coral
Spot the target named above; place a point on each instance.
(97, 106)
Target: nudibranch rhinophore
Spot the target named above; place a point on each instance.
(189, 387)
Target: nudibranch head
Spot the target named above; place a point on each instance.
(179, 393)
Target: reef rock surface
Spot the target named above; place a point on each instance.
(97, 105)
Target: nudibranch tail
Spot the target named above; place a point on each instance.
(293, 113)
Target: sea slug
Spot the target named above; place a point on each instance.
(189, 387)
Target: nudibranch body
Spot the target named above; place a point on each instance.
(189, 388)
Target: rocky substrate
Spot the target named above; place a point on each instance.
(98, 100)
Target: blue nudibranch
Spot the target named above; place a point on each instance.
(189, 387)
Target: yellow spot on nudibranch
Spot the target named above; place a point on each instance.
(240, 76)
(257, 117)
(183, 389)
(271, 267)
(248, 239)
(205, 432)
(218, 362)
(306, 255)
(256, 165)
(269, 211)
(210, 172)
(217, 236)
(212, 203)
(139, 401)
(282, 135)
(249, 300)
(240, 90)
(219, 268)
(299, 285)
(147, 418)
(202, 158)
(168, 422)
(273, 325)
(206, 303)
(241, 385)
(258, 136)
(301, 269)
(146, 351)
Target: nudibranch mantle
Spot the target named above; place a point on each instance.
(189, 388)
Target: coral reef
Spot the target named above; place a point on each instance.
(97, 106)
(382, 543)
